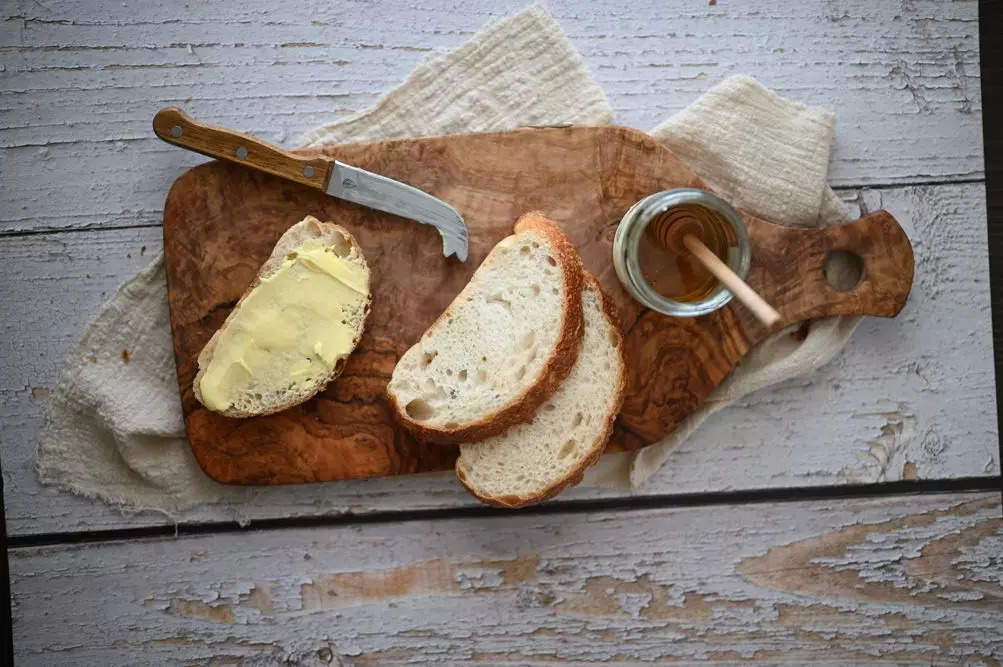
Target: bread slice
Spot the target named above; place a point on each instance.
(503, 345)
(288, 363)
(532, 462)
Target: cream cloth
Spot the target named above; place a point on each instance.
(115, 431)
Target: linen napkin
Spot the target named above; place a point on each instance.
(114, 431)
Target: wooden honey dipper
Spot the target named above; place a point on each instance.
(681, 233)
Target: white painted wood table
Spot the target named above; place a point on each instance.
(753, 543)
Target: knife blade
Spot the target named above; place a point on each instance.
(330, 176)
(385, 194)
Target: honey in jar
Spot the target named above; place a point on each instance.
(678, 275)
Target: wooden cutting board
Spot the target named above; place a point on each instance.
(221, 222)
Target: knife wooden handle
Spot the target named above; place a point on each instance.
(175, 127)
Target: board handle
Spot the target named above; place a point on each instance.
(864, 267)
(175, 127)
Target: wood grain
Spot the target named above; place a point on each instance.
(220, 222)
(896, 402)
(908, 579)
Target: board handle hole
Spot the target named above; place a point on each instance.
(843, 270)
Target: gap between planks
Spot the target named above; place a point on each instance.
(838, 189)
(559, 507)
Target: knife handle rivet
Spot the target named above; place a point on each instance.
(242, 152)
(308, 171)
(176, 131)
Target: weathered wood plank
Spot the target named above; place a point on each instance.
(911, 397)
(915, 579)
(81, 81)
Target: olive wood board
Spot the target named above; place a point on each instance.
(221, 222)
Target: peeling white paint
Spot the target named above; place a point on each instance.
(797, 582)
(897, 432)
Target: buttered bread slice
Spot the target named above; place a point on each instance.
(293, 328)
(503, 345)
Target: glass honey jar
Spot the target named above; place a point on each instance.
(674, 283)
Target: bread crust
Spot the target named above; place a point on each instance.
(522, 407)
(574, 476)
(293, 238)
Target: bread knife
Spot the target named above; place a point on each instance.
(330, 176)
